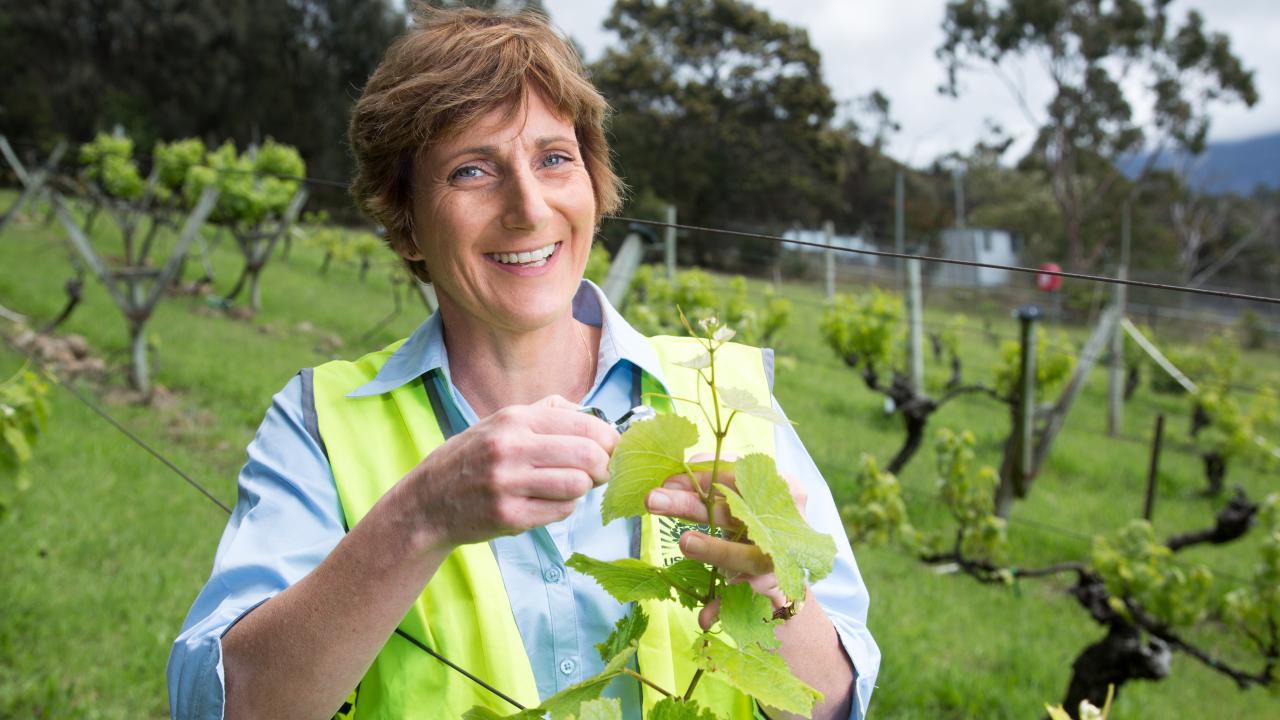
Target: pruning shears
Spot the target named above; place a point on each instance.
(639, 413)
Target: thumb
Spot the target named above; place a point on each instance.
(556, 401)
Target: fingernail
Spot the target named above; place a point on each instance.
(693, 544)
(658, 501)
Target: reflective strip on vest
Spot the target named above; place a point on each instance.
(372, 442)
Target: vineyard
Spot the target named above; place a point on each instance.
(977, 609)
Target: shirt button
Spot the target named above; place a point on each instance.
(568, 665)
(553, 574)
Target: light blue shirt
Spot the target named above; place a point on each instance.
(288, 518)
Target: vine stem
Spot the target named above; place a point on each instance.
(647, 681)
(694, 682)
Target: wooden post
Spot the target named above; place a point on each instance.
(1027, 316)
(829, 233)
(1087, 359)
(1115, 395)
(915, 310)
(669, 243)
(1153, 469)
(1019, 459)
(623, 267)
(899, 221)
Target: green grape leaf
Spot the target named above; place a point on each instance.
(693, 576)
(746, 403)
(645, 456)
(600, 709)
(627, 580)
(673, 709)
(697, 362)
(18, 441)
(625, 632)
(569, 702)
(762, 502)
(757, 672)
(748, 617)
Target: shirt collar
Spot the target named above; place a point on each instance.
(424, 350)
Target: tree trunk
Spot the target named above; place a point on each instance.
(74, 288)
(255, 289)
(915, 421)
(1119, 657)
(324, 265)
(1007, 490)
(1215, 471)
(1199, 420)
(1231, 523)
(139, 373)
(1132, 378)
(244, 275)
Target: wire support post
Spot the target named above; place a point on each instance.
(1153, 470)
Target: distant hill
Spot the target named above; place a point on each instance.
(1237, 166)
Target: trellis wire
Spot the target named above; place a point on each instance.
(858, 251)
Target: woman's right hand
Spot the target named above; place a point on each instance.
(522, 467)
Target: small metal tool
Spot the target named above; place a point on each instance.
(639, 413)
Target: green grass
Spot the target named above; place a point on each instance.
(104, 554)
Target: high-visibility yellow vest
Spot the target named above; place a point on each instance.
(464, 612)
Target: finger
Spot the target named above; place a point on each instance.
(545, 420)
(730, 557)
(552, 484)
(569, 451)
(685, 504)
(556, 401)
(709, 614)
(528, 513)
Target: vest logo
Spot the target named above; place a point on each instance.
(669, 531)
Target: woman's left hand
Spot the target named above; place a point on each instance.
(740, 561)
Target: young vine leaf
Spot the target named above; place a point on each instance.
(698, 362)
(600, 709)
(567, 703)
(762, 502)
(757, 672)
(748, 617)
(673, 709)
(690, 578)
(626, 632)
(646, 455)
(627, 580)
(746, 403)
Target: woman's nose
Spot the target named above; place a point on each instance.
(526, 205)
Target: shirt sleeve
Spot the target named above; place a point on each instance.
(287, 518)
(842, 593)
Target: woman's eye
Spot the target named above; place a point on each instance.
(555, 159)
(467, 172)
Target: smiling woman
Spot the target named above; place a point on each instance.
(428, 494)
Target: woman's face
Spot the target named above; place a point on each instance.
(503, 215)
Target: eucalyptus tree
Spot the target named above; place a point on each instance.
(722, 110)
(1089, 50)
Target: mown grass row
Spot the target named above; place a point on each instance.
(106, 551)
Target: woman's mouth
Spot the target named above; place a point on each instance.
(530, 259)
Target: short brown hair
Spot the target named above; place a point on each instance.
(447, 71)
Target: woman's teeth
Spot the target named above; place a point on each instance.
(533, 258)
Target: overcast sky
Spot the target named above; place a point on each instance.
(889, 44)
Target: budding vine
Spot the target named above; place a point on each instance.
(741, 649)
